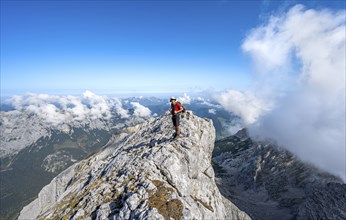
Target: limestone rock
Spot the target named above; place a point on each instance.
(143, 175)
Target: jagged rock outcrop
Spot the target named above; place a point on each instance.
(268, 182)
(141, 175)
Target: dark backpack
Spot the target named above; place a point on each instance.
(184, 109)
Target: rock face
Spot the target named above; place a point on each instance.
(268, 182)
(141, 175)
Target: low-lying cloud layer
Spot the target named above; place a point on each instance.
(298, 97)
(140, 110)
(57, 110)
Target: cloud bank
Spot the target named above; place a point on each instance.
(58, 110)
(244, 104)
(140, 110)
(185, 99)
(298, 98)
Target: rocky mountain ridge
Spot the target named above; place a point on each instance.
(144, 174)
(42, 135)
(268, 182)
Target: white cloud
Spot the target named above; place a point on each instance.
(212, 111)
(58, 110)
(140, 110)
(244, 104)
(98, 106)
(185, 99)
(52, 114)
(207, 102)
(119, 108)
(300, 58)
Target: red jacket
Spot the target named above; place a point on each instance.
(175, 107)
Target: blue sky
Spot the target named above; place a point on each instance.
(130, 46)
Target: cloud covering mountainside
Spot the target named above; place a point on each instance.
(298, 96)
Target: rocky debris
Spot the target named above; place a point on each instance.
(143, 175)
(324, 202)
(268, 182)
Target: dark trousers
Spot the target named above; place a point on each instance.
(176, 120)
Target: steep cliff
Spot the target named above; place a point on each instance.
(141, 173)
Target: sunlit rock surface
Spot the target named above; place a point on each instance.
(144, 174)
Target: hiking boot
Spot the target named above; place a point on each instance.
(176, 135)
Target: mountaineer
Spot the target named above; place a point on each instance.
(176, 108)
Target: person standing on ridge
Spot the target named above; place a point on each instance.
(176, 108)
